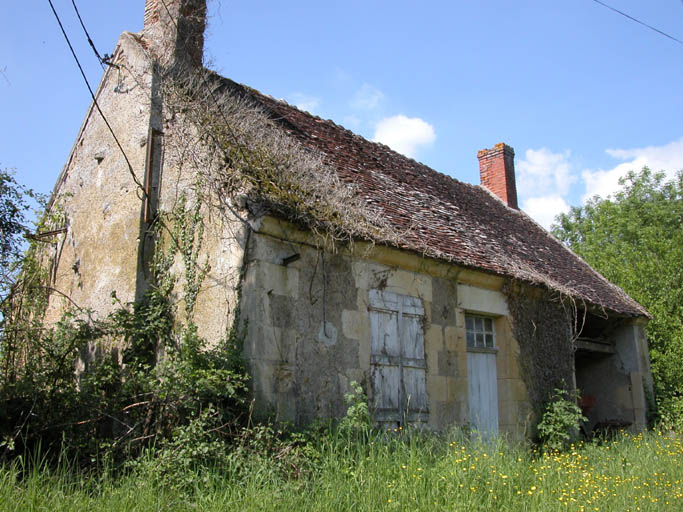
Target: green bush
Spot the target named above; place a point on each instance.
(121, 404)
(561, 420)
(671, 413)
(357, 416)
(145, 378)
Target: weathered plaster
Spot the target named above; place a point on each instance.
(97, 195)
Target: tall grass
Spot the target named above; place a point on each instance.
(339, 472)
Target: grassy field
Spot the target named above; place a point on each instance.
(402, 472)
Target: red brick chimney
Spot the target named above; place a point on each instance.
(497, 172)
(175, 30)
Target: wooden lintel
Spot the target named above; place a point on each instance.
(595, 346)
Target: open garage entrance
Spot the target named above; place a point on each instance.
(609, 368)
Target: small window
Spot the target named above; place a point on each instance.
(480, 333)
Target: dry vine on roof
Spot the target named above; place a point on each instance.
(246, 160)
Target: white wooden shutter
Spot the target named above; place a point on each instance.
(385, 360)
(397, 358)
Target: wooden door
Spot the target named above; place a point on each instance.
(483, 392)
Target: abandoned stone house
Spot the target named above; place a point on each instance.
(466, 312)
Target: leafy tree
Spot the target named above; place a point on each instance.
(635, 239)
(14, 204)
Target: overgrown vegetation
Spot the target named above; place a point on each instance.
(250, 165)
(15, 202)
(561, 421)
(357, 417)
(544, 325)
(635, 239)
(409, 471)
(109, 389)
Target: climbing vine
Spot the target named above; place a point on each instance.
(251, 167)
(188, 233)
(140, 377)
(544, 325)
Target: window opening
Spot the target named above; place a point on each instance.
(480, 332)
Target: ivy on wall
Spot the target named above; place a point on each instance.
(144, 375)
(543, 323)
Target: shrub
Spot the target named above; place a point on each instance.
(671, 413)
(163, 388)
(561, 420)
(357, 416)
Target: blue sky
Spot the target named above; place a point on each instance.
(582, 93)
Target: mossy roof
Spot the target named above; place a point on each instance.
(444, 218)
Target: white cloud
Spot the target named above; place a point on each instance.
(304, 102)
(543, 182)
(366, 98)
(404, 134)
(544, 209)
(668, 157)
(543, 172)
(544, 178)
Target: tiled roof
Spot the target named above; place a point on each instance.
(446, 218)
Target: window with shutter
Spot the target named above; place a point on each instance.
(397, 359)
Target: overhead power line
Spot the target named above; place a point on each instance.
(90, 41)
(638, 21)
(106, 60)
(92, 95)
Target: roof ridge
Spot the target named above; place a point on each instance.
(284, 102)
(442, 216)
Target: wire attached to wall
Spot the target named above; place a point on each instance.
(87, 35)
(92, 95)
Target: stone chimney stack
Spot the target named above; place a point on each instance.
(175, 31)
(497, 172)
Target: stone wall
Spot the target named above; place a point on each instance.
(309, 328)
(97, 196)
(110, 239)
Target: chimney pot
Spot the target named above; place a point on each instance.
(497, 172)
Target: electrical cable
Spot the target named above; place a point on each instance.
(90, 41)
(638, 21)
(92, 95)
